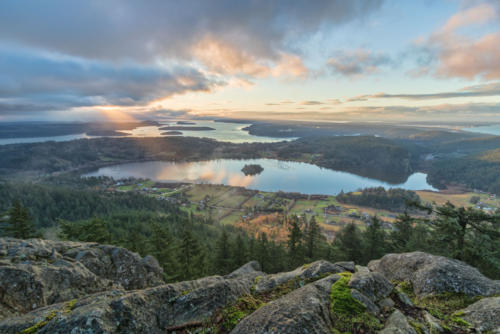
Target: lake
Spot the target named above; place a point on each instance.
(277, 175)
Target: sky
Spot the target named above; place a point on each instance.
(331, 60)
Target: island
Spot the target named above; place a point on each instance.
(252, 169)
(172, 133)
(187, 128)
(185, 123)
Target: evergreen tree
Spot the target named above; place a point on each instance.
(420, 238)
(263, 254)
(240, 256)
(313, 239)
(455, 228)
(374, 240)
(295, 245)
(19, 222)
(223, 263)
(190, 256)
(348, 244)
(400, 237)
(162, 247)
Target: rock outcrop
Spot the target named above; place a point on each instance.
(483, 315)
(70, 287)
(305, 309)
(36, 273)
(431, 274)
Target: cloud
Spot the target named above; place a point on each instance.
(158, 29)
(62, 54)
(311, 103)
(32, 80)
(223, 58)
(449, 53)
(469, 112)
(359, 62)
(490, 89)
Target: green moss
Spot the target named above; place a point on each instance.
(255, 282)
(305, 266)
(348, 313)
(36, 327)
(456, 318)
(443, 305)
(418, 327)
(233, 314)
(69, 306)
(407, 288)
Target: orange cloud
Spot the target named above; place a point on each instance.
(223, 58)
(469, 59)
(462, 56)
(475, 15)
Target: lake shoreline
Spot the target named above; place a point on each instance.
(278, 175)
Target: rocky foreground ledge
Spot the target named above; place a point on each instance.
(72, 287)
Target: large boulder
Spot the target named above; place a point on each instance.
(483, 315)
(397, 324)
(372, 285)
(36, 273)
(151, 310)
(431, 274)
(252, 267)
(309, 271)
(305, 310)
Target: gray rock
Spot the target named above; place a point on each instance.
(150, 310)
(35, 273)
(483, 315)
(403, 297)
(397, 324)
(434, 325)
(367, 302)
(248, 268)
(361, 269)
(372, 285)
(386, 304)
(347, 265)
(430, 274)
(312, 270)
(305, 310)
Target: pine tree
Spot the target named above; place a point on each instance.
(401, 236)
(190, 256)
(223, 263)
(295, 246)
(262, 250)
(240, 252)
(348, 243)
(162, 248)
(454, 228)
(374, 240)
(313, 238)
(20, 224)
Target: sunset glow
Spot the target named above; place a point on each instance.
(363, 59)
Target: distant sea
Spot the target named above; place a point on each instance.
(488, 129)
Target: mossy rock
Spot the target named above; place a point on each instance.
(348, 314)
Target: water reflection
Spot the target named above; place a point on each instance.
(277, 175)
